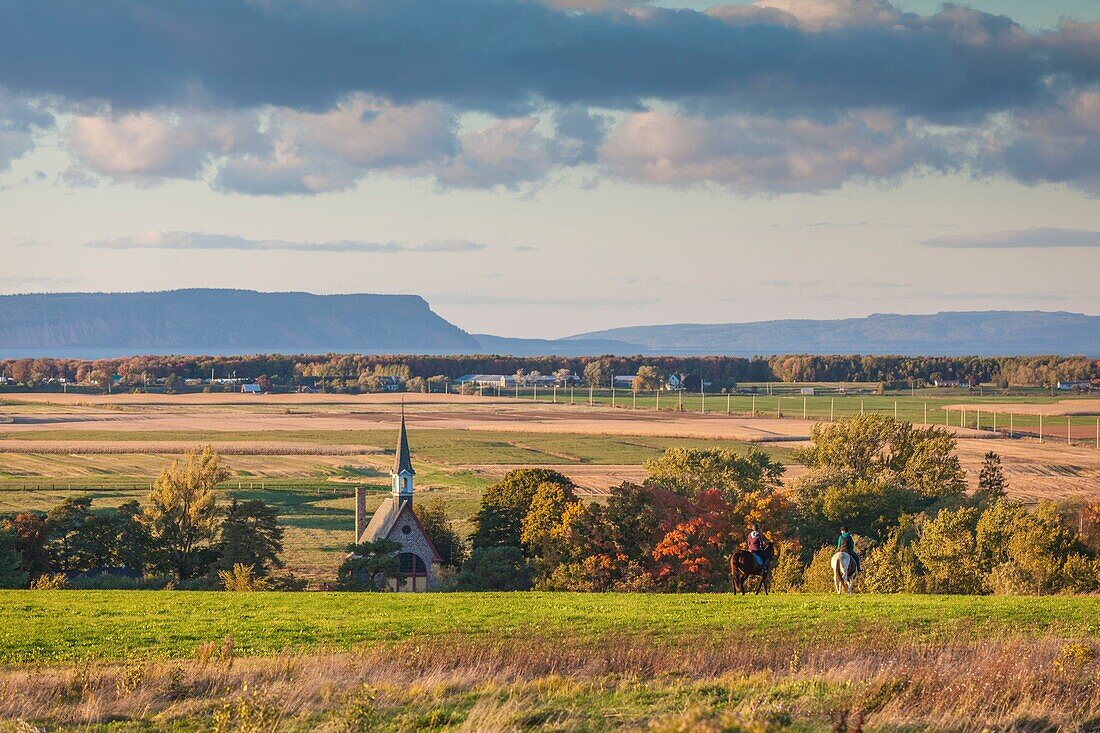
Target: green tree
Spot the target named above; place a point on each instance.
(440, 530)
(504, 505)
(181, 513)
(494, 568)
(946, 551)
(12, 574)
(369, 566)
(892, 567)
(250, 535)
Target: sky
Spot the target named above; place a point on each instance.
(541, 169)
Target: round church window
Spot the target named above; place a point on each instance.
(406, 529)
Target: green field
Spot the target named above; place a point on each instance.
(179, 661)
(51, 626)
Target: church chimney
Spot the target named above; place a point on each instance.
(360, 511)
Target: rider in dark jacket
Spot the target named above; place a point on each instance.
(757, 544)
(847, 544)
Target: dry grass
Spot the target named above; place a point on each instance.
(617, 683)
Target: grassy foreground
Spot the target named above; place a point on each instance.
(172, 661)
(52, 626)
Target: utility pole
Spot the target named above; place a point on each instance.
(1040, 427)
(861, 407)
(658, 393)
(895, 409)
(804, 398)
(590, 395)
(754, 405)
(612, 389)
(680, 403)
(832, 408)
(634, 393)
(925, 413)
(729, 405)
(1069, 430)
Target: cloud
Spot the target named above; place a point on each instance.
(761, 154)
(18, 121)
(37, 280)
(203, 240)
(1040, 238)
(476, 299)
(525, 248)
(773, 97)
(309, 56)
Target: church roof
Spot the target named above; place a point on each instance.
(402, 461)
(382, 523)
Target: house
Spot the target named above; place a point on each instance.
(949, 383)
(625, 381)
(487, 380)
(674, 382)
(1075, 385)
(395, 520)
(390, 383)
(251, 389)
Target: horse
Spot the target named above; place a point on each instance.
(743, 565)
(844, 571)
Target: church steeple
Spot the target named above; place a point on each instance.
(402, 474)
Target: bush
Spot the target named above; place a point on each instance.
(102, 581)
(494, 568)
(818, 576)
(50, 581)
(243, 579)
(787, 571)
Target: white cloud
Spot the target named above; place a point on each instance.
(761, 154)
(204, 240)
(1038, 238)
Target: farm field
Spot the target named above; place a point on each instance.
(305, 453)
(185, 661)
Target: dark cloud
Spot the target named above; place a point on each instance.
(1040, 238)
(204, 240)
(495, 55)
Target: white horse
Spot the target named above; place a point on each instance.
(844, 572)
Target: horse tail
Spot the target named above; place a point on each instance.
(735, 574)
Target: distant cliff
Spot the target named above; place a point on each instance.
(222, 322)
(987, 333)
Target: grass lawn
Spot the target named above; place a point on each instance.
(53, 626)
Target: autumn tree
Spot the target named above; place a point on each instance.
(647, 379)
(749, 482)
(181, 512)
(597, 373)
(504, 505)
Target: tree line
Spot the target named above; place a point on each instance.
(182, 537)
(899, 488)
(354, 372)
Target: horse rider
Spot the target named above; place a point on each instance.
(757, 544)
(846, 544)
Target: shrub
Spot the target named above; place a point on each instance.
(103, 581)
(494, 568)
(243, 579)
(818, 576)
(787, 571)
(50, 581)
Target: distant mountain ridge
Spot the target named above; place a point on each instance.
(979, 333)
(209, 321)
(223, 322)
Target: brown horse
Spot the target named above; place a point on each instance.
(743, 565)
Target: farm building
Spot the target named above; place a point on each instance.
(487, 380)
(251, 389)
(395, 520)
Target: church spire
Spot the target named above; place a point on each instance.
(402, 461)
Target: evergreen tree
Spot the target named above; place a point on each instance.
(251, 536)
(991, 480)
(433, 518)
(12, 574)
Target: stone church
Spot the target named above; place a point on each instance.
(395, 520)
